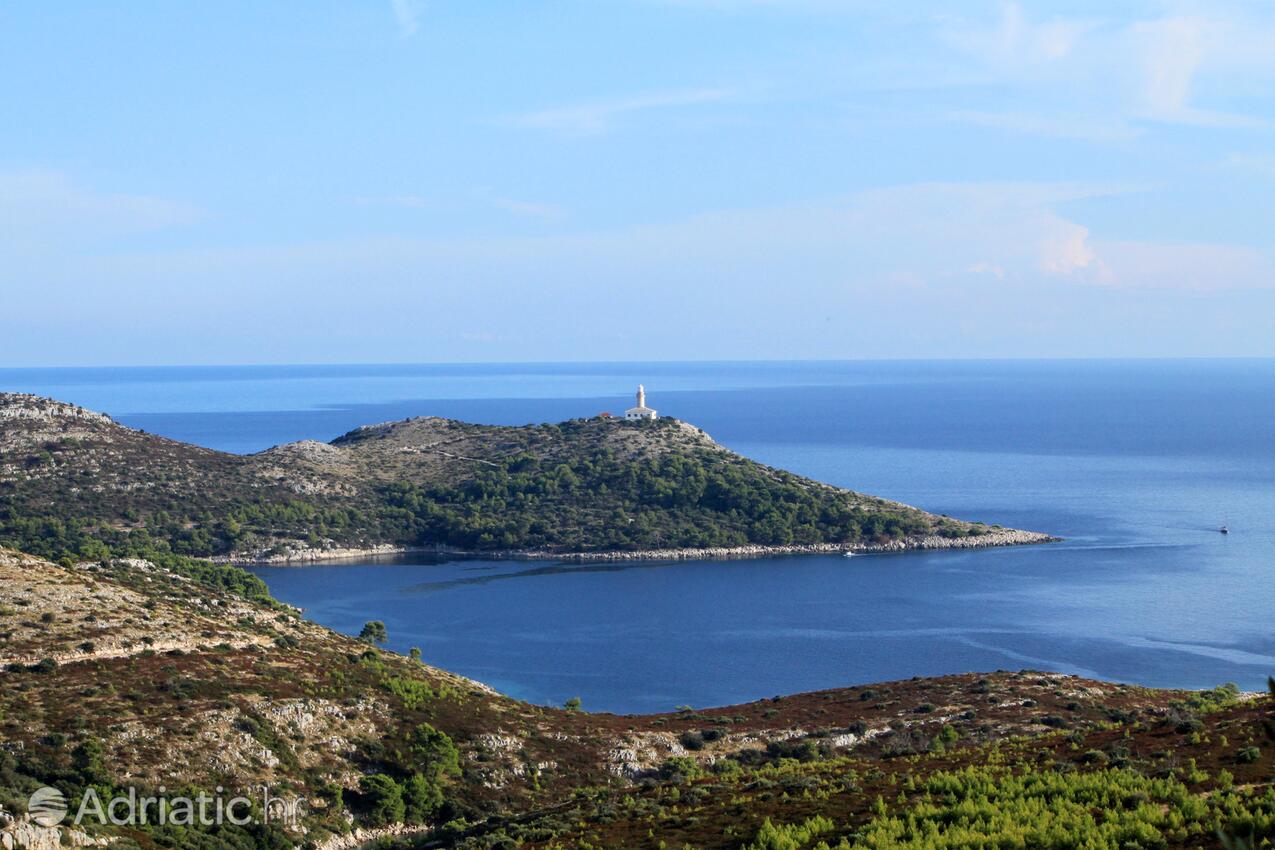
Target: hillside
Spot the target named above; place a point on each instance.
(126, 674)
(1194, 772)
(76, 484)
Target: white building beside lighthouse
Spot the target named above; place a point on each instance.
(641, 411)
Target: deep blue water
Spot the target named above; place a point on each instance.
(1136, 463)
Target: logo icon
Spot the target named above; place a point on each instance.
(47, 807)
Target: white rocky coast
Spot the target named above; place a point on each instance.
(993, 538)
(999, 537)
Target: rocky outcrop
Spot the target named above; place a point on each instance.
(364, 837)
(311, 450)
(71, 615)
(25, 834)
(1003, 537)
(306, 555)
(36, 408)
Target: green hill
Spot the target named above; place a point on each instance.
(74, 483)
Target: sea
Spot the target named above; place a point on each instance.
(1137, 464)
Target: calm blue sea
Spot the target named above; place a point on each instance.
(1136, 463)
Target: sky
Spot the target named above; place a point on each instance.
(537, 180)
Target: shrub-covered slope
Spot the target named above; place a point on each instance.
(76, 484)
(1194, 771)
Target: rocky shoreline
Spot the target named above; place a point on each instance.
(992, 539)
(312, 556)
(985, 541)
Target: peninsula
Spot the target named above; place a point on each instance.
(75, 484)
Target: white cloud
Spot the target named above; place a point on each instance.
(1066, 251)
(955, 268)
(407, 16)
(600, 116)
(1173, 50)
(932, 236)
(1117, 71)
(490, 198)
(1015, 40)
(40, 209)
(1186, 266)
(1263, 165)
(529, 208)
(987, 267)
(1094, 128)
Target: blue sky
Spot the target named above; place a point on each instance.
(467, 180)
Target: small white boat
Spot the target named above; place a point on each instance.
(1224, 530)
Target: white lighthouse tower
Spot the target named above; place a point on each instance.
(641, 411)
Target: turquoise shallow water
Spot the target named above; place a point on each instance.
(1135, 463)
